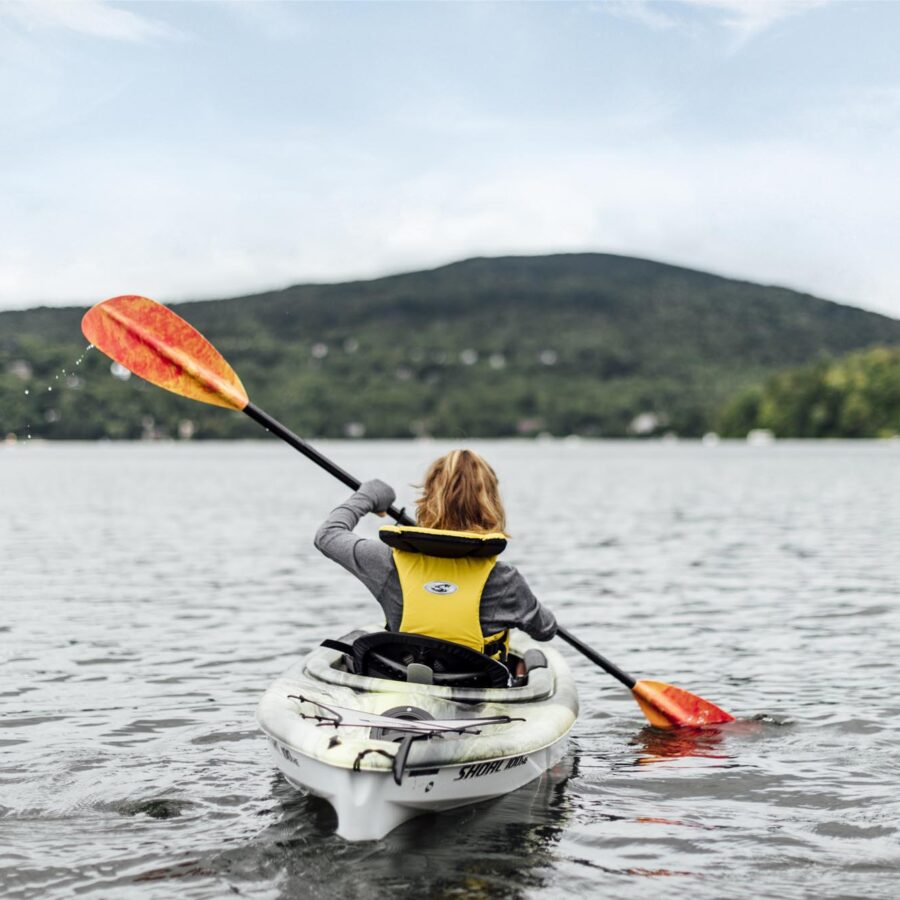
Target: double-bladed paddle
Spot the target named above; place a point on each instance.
(155, 343)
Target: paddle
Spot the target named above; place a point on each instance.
(664, 705)
(158, 345)
(152, 341)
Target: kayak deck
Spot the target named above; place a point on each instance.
(382, 751)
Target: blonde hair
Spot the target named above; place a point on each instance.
(461, 493)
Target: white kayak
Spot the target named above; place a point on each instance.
(382, 750)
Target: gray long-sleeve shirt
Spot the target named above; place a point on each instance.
(506, 602)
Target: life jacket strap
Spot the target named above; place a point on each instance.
(497, 645)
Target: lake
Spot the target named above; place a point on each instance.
(150, 592)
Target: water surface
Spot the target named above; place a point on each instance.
(150, 593)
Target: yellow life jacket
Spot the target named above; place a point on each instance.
(442, 577)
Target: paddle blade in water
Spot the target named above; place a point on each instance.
(155, 343)
(667, 706)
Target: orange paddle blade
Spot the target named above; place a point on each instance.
(155, 343)
(667, 706)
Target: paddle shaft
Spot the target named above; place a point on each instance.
(297, 442)
(595, 657)
(400, 516)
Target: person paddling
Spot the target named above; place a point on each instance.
(441, 578)
(153, 342)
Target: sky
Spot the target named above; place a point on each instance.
(190, 150)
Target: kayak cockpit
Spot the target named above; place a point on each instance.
(427, 660)
(376, 660)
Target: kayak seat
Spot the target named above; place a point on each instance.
(335, 666)
(389, 654)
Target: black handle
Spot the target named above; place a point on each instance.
(297, 442)
(595, 657)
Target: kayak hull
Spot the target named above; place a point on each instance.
(313, 719)
(369, 805)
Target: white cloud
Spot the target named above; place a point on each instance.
(95, 18)
(646, 13)
(772, 211)
(743, 19)
(748, 18)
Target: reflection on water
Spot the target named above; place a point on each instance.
(656, 745)
(151, 592)
(496, 849)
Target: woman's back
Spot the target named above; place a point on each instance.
(460, 489)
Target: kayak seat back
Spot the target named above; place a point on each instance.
(534, 659)
(417, 673)
(388, 654)
(527, 666)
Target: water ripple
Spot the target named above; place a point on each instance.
(156, 590)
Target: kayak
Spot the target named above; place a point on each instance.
(387, 726)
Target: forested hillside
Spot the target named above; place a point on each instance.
(856, 396)
(591, 344)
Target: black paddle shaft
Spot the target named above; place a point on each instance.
(595, 657)
(400, 516)
(297, 442)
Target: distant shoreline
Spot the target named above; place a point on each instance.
(572, 440)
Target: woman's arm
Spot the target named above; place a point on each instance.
(369, 561)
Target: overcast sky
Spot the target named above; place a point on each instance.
(187, 150)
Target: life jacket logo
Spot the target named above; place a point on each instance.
(441, 587)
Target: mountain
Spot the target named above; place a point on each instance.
(572, 343)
